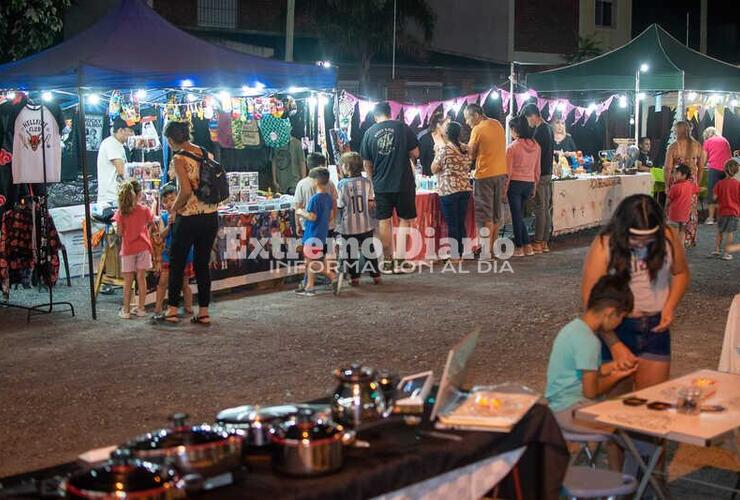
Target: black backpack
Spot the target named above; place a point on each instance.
(213, 186)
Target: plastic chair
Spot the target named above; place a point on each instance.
(585, 482)
(584, 439)
(658, 180)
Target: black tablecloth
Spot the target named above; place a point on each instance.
(398, 457)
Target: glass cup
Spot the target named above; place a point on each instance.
(689, 400)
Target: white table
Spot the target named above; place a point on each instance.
(704, 429)
(590, 201)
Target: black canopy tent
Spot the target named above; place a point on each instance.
(133, 47)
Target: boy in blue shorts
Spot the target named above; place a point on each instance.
(575, 373)
(317, 214)
(167, 195)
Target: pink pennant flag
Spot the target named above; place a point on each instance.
(471, 99)
(505, 99)
(395, 109)
(578, 114)
(365, 108)
(409, 114)
(426, 110)
(702, 113)
(484, 96)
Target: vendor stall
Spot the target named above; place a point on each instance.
(170, 80)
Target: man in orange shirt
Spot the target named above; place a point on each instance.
(487, 146)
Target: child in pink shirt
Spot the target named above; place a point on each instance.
(679, 196)
(133, 220)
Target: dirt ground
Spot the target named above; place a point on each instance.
(71, 384)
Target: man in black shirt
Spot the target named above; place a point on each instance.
(389, 149)
(543, 200)
(645, 162)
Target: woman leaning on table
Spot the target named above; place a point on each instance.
(638, 245)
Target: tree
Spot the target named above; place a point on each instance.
(363, 29)
(28, 26)
(588, 47)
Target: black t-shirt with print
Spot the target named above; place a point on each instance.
(387, 145)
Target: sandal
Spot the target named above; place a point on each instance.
(164, 319)
(201, 320)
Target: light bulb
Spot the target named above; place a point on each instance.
(494, 96)
(561, 106)
(47, 96)
(186, 83)
(259, 85)
(622, 102)
(632, 121)
(141, 93)
(93, 99)
(644, 67)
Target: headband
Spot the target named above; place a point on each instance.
(644, 232)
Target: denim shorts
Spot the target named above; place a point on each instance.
(636, 334)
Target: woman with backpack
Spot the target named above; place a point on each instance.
(195, 224)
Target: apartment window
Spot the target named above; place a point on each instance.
(605, 17)
(217, 13)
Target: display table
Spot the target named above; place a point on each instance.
(590, 201)
(399, 457)
(704, 429)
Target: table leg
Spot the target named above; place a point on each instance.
(647, 469)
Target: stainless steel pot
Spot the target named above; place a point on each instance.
(308, 445)
(125, 477)
(359, 398)
(200, 449)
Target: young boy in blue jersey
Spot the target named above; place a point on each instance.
(575, 373)
(355, 201)
(317, 214)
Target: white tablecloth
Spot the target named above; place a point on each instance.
(590, 201)
(729, 360)
(466, 483)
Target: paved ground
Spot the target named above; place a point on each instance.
(71, 384)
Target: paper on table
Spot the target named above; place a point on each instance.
(491, 410)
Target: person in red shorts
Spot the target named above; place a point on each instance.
(727, 194)
(679, 196)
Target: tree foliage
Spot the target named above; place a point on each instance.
(362, 30)
(588, 47)
(28, 26)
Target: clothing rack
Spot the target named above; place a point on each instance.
(47, 307)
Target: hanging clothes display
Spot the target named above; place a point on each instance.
(288, 165)
(28, 241)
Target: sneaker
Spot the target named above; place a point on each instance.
(528, 250)
(710, 222)
(124, 315)
(305, 292)
(714, 254)
(518, 252)
(726, 256)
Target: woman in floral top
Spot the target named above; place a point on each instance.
(452, 168)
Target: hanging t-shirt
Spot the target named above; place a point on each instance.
(110, 149)
(30, 140)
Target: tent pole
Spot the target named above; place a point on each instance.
(510, 115)
(637, 106)
(82, 151)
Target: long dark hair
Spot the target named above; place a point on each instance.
(640, 212)
(519, 125)
(436, 118)
(453, 131)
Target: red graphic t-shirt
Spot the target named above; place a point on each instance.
(134, 230)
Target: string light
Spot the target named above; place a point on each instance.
(141, 93)
(47, 96)
(644, 67)
(622, 102)
(93, 99)
(186, 83)
(561, 106)
(494, 96)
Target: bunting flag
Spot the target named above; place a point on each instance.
(395, 109)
